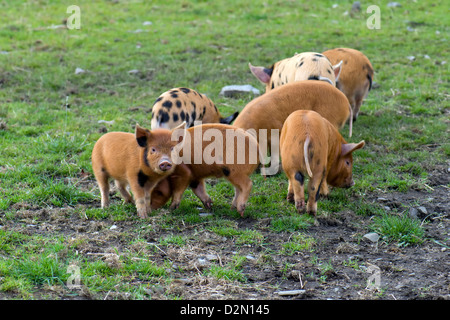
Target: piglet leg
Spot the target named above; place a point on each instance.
(140, 200)
(296, 191)
(313, 193)
(243, 187)
(200, 192)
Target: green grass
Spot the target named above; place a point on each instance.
(49, 122)
(298, 242)
(401, 229)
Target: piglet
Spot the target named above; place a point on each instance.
(139, 160)
(184, 104)
(356, 78)
(270, 110)
(212, 150)
(301, 66)
(311, 146)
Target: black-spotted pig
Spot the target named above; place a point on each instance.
(302, 66)
(355, 80)
(139, 160)
(312, 147)
(183, 104)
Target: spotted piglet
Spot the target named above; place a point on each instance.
(183, 104)
(356, 77)
(302, 66)
(311, 146)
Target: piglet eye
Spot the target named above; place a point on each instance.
(347, 162)
(153, 149)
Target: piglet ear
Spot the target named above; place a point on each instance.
(348, 148)
(179, 132)
(337, 70)
(142, 136)
(261, 73)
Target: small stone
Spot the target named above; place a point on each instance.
(413, 213)
(205, 214)
(134, 71)
(411, 58)
(422, 210)
(79, 71)
(202, 262)
(236, 90)
(372, 236)
(106, 121)
(356, 7)
(394, 5)
(211, 257)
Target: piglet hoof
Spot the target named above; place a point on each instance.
(208, 204)
(174, 206)
(142, 214)
(300, 206)
(241, 210)
(324, 195)
(290, 197)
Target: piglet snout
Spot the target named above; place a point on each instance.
(165, 165)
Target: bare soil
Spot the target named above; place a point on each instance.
(411, 272)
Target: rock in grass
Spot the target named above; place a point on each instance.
(236, 90)
(79, 71)
(413, 213)
(372, 236)
(394, 5)
(356, 6)
(422, 210)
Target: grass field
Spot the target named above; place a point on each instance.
(132, 51)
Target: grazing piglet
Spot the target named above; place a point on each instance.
(311, 146)
(214, 150)
(356, 77)
(139, 160)
(270, 110)
(302, 66)
(184, 104)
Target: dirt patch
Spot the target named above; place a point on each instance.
(342, 264)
